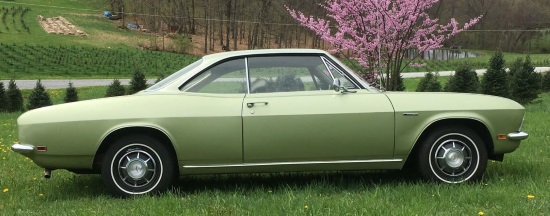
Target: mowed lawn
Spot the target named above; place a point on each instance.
(518, 186)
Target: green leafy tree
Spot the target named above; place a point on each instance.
(71, 94)
(525, 83)
(546, 82)
(115, 89)
(15, 98)
(464, 80)
(495, 80)
(429, 83)
(39, 97)
(137, 83)
(3, 98)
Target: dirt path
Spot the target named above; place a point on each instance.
(59, 25)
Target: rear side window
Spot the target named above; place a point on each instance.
(228, 77)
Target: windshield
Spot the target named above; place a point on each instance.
(174, 76)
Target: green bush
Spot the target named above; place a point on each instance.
(525, 83)
(546, 82)
(39, 97)
(464, 80)
(137, 83)
(115, 89)
(183, 43)
(3, 98)
(495, 80)
(71, 94)
(400, 85)
(15, 98)
(429, 83)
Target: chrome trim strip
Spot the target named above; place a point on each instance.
(518, 136)
(22, 148)
(247, 73)
(292, 163)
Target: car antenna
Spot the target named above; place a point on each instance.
(380, 75)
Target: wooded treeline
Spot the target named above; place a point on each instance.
(510, 25)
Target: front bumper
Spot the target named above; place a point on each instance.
(516, 136)
(23, 149)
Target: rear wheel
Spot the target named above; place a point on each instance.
(137, 165)
(452, 155)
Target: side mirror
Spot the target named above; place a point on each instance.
(336, 85)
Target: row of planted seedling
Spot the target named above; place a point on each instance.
(63, 60)
(15, 13)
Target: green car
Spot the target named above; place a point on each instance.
(269, 111)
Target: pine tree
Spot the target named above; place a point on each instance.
(137, 83)
(495, 80)
(3, 98)
(464, 80)
(400, 85)
(115, 89)
(546, 82)
(71, 94)
(39, 97)
(525, 83)
(15, 99)
(429, 83)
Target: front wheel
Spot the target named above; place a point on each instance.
(452, 155)
(137, 165)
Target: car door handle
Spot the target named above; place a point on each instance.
(251, 104)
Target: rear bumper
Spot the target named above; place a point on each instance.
(517, 136)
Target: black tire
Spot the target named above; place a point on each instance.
(154, 168)
(452, 155)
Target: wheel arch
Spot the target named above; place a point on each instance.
(476, 125)
(118, 133)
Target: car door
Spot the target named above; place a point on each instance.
(210, 132)
(294, 116)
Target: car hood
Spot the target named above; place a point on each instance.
(444, 101)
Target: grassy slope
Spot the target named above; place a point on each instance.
(106, 52)
(503, 191)
(84, 14)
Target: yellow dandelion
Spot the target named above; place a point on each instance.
(5, 190)
(306, 207)
(34, 178)
(530, 196)
(480, 213)
(3, 158)
(40, 194)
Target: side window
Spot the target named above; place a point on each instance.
(287, 74)
(337, 74)
(226, 78)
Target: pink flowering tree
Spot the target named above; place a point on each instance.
(381, 30)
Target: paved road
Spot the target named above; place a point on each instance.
(63, 83)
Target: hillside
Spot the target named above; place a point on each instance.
(108, 51)
(28, 51)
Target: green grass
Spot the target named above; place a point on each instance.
(41, 61)
(503, 190)
(102, 33)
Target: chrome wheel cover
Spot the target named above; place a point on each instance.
(454, 158)
(136, 169)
